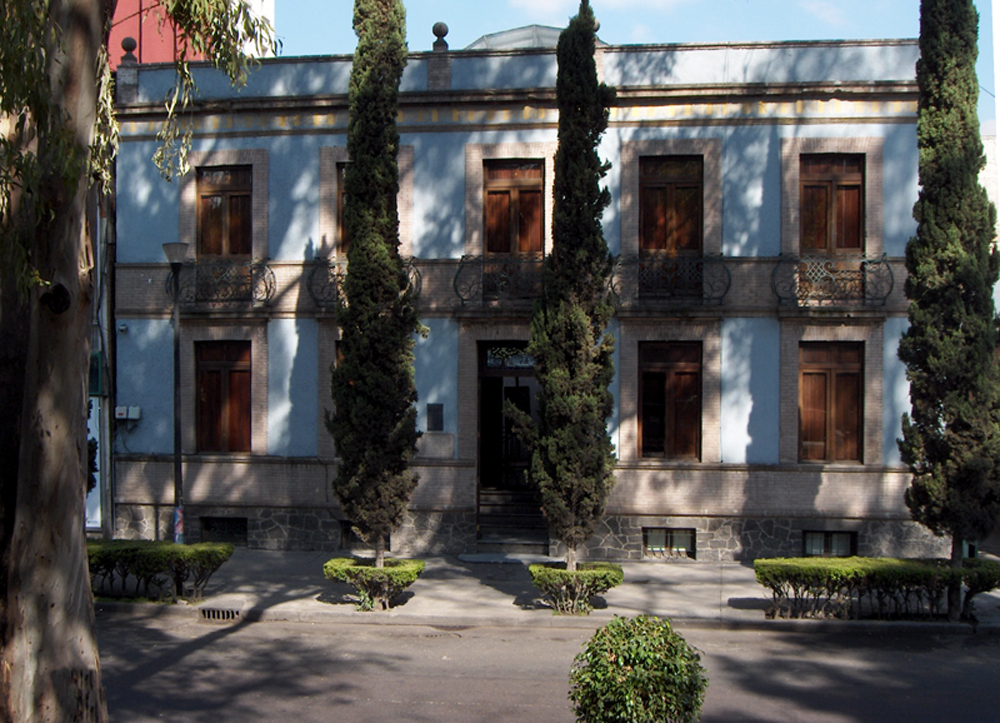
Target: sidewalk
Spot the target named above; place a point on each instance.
(494, 590)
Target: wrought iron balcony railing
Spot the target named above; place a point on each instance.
(224, 284)
(498, 279)
(695, 280)
(326, 280)
(832, 280)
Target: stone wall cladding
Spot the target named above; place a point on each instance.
(736, 539)
(268, 528)
(425, 532)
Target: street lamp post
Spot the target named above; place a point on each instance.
(176, 253)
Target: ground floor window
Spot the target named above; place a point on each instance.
(670, 399)
(830, 401)
(223, 396)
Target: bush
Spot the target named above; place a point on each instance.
(855, 587)
(374, 584)
(638, 670)
(570, 592)
(153, 563)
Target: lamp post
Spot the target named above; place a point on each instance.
(176, 252)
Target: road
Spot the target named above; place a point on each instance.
(182, 670)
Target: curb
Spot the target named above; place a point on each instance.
(205, 612)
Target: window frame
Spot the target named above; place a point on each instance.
(831, 370)
(226, 192)
(257, 159)
(514, 188)
(670, 370)
(710, 150)
(873, 224)
(832, 181)
(672, 184)
(223, 417)
(827, 545)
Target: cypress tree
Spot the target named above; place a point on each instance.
(572, 461)
(951, 437)
(374, 420)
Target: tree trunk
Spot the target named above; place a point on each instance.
(380, 550)
(570, 558)
(955, 588)
(49, 661)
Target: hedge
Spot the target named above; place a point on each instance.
(638, 670)
(374, 584)
(154, 564)
(570, 592)
(879, 587)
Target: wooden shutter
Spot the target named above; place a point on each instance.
(849, 217)
(240, 225)
(687, 414)
(653, 418)
(210, 225)
(815, 208)
(498, 222)
(812, 415)
(530, 222)
(686, 217)
(238, 410)
(654, 219)
(847, 416)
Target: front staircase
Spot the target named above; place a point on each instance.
(511, 521)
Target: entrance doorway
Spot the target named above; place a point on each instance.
(510, 517)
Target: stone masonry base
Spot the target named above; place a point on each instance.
(452, 532)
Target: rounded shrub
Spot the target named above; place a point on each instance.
(638, 670)
(374, 584)
(570, 592)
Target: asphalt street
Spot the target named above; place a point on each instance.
(180, 669)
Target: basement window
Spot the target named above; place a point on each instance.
(829, 544)
(668, 542)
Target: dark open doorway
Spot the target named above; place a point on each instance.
(510, 518)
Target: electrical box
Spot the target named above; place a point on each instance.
(121, 412)
(134, 412)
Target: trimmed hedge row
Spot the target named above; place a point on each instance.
(154, 564)
(879, 587)
(371, 583)
(570, 592)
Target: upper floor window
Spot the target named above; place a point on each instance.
(832, 202)
(670, 399)
(513, 206)
(830, 401)
(222, 407)
(671, 193)
(225, 222)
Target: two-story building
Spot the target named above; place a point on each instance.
(762, 198)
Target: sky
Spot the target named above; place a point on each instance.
(323, 27)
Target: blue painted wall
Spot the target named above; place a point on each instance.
(750, 391)
(435, 369)
(292, 387)
(145, 367)
(895, 390)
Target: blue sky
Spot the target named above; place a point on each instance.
(323, 27)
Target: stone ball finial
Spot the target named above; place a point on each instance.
(597, 24)
(129, 44)
(440, 30)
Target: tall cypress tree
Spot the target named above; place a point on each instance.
(951, 438)
(374, 421)
(572, 460)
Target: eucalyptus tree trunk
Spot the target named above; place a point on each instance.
(49, 659)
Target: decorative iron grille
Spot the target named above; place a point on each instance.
(497, 279)
(231, 283)
(326, 280)
(678, 280)
(832, 280)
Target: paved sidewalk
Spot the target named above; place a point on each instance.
(471, 590)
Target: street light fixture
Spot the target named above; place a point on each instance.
(176, 253)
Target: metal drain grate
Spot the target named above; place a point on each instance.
(220, 615)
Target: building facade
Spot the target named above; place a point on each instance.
(762, 198)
